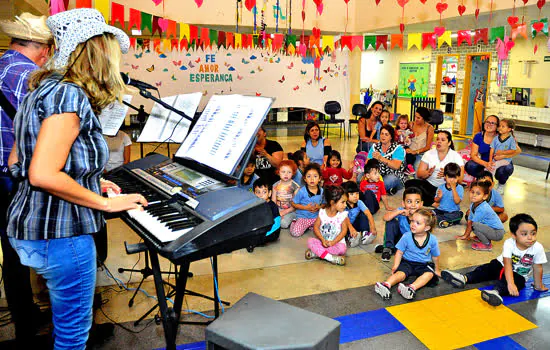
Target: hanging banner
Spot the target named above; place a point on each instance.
(445, 38)
(414, 79)
(396, 40)
(414, 40)
(370, 40)
(539, 26)
(381, 40)
(496, 33)
(481, 35)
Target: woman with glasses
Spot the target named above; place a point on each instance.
(481, 147)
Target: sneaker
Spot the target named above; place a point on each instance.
(410, 170)
(386, 254)
(367, 237)
(383, 289)
(392, 191)
(406, 291)
(379, 248)
(482, 247)
(456, 279)
(310, 255)
(491, 297)
(444, 224)
(353, 242)
(336, 259)
(500, 188)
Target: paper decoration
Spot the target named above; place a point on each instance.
(396, 40)
(184, 31)
(496, 33)
(156, 44)
(520, 29)
(481, 35)
(428, 39)
(117, 14)
(277, 42)
(504, 47)
(155, 26)
(103, 7)
(381, 40)
(464, 35)
(445, 38)
(539, 26)
(328, 42)
(171, 30)
(213, 36)
(57, 6)
(133, 43)
(221, 39)
(370, 40)
(83, 3)
(147, 21)
(205, 38)
(414, 39)
(135, 19)
(229, 40)
(167, 45)
(357, 41)
(238, 40)
(345, 41)
(174, 44)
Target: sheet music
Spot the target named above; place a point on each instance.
(223, 131)
(162, 121)
(112, 117)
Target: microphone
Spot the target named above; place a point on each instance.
(136, 83)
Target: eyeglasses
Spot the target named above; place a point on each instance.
(491, 123)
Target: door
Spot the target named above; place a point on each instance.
(477, 77)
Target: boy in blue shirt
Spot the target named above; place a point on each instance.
(397, 222)
(360, 218)
(494, 199)
(448, 197)
(416, 251)
(262, 189)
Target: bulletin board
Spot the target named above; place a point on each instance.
(414, 79)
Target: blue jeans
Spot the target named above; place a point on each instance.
(392, 181)
(503, 173)
(69, 267)
(473, 169)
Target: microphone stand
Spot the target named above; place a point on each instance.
(141, 117)
(148, 95)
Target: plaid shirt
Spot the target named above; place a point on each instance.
(15, 69)
(35, 214)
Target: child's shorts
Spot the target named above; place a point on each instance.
(413, 268)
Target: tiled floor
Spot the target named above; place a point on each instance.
(279, 270)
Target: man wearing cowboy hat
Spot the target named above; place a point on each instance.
(29, 50)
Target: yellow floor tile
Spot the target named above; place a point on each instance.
(462, 319)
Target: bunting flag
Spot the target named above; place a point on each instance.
(520, 29)
(117, 14)
(147, 22)
(328, 42)
(57, 6)
(133, 43)
(205, 38)
(171, 30)
(146, 44)
(229, 40)
(184, 44)
(174, 44)
(414, 39)
(238, 40)
(184, 31)
(539, 26)
(277, 42)
(167, 45)
(213, 36)
(445, 38)
(156, 44)
(193, 34)
(83, 3)
(370, 41)
(103, 7)
(464, 35)
(221, 39)
(314, 41)
(428, 39)
(381, 40)
(358, 41)
(155, 26)
(135, 19)
(345, 41)
(396, 40)
(496, 33)
(481, 35)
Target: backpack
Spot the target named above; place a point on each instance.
(359, 162)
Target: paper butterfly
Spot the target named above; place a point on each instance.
(291, 65)
(239, 77)
(150, 69)
(177, 63)
(245, 61)
(191, 65)
(304, 72)
(138, 55)
(309, 82)
(282, 79)
(134, 67)
(323, 89)
(158, 83)
(327, 70)
(295, 88)
(258, 94)
(174, 77)
(227, 64)
(260, 69)
(198, 60)
(205, 92)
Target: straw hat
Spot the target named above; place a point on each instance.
(28, 27)
(73, 27)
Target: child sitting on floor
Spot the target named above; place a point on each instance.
(301, 159)
(283, 192)
(307, 201)
(372, 187)
(249, 177)
(521, 255)
(362, 228)
(415, 251)
(262, 189)
(448, 197)
(482, 221)
(494, 199)
(330, 229)
(334, 174)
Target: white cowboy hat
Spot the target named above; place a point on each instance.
(28, 27)
(73, 27)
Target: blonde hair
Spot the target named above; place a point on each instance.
(94, 66)
(429, 218)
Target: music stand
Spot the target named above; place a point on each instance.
(142, 118)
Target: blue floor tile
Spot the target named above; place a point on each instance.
(367, 325)
(528, 293)
(499, 343)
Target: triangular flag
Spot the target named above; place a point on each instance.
(370, 40)
(156, 44)
(346, 41)
(133, 43)
(184, 31)
(174, 44)
(193, 34)
(171, 30)
(445, 38)
(542, 27)
(205, 38)
(328, 41)
(117, 14)
(414, 39)
(167, 45)
(481, 35)
(520, 29)
(381, 40)
(238, 40)
(229, 40)
(464, 35)
(428, 39)
(277, 42)
(57, 6)
(221, 39)
(147, 22)
(496, 33)
(103, 7)
(357, 41)
(156, 27)
(83, 4)
(135, 19)
(396, 40)
(213, 37)
(184, 44)
(146, 44)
